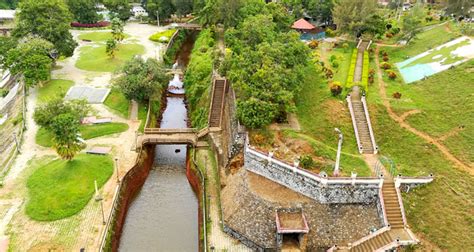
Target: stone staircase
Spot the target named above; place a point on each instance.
(217, 103)
(392, 206)
(376, 242)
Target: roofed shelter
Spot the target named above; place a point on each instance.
(308, 31)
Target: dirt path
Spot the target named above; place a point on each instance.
(451, 133)
(404, 116)
(403, 124)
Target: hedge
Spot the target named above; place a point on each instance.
(98, 24)
(365, 72)
(350, 76)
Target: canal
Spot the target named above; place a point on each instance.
(164, 214)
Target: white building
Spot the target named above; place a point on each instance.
(138, 11)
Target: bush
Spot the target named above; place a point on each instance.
(385, 58)
(95, 25)
(384, 53)
(335, 64)
(388, 35)
(371, 79)
(395, 30)
(429, 19)
(306, 161)
(329, 32)
(313, 44)
(335, 88)
(332, 58)
(329, 73)
(397, 95)
(162, 37)
(386, 65)
(371, 73)
(391, 74)
(3, 92)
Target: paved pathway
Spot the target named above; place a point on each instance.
(217, 238)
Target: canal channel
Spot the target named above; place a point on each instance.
(164, 214)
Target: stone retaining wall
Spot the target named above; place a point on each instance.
(329, 193)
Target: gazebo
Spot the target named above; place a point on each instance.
(308, 31)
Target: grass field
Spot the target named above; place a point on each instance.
(319, 113)
(45, 139)
(53, 89)
(98, 36)
(94, 58)
(443, 211)
(343, 58)
(424, 41)
(60, 188)
(118, 103)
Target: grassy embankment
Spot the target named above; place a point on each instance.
(198, 78)
(59, 188)
(442, 211)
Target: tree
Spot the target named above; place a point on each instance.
(321, 9)
(412, 22)
(374, 25)
(31, 58)
(62, 119)
(117, 30)
(183, 7)
(140, 79)
(6, 43)
(120, 8)
(111, 48)
(164, 7)
(351, 16)
(65, 129)
(84, 11)
(458, 7)
(50, 20)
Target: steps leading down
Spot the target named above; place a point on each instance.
(217, 103)
(362, 125)
(374, 243)
(392, 206)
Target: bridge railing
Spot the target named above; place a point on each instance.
(169, 131)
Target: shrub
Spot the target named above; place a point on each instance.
(429, 19)
(335, 64)
(384, 53)
(329, 32)
(371, 73)
(371, 79)
(388, 35)
(306, 161)
(329, 73)
(391, 74)
(3, 92)
(313, 44)
(345, 46)
(395, 30)
(332, 58)
(386, 65)
(397, 95)
(385, 58)
(335, 88)
(95, 25)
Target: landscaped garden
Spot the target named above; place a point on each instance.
(162, 37)
(58, 188)
(45, 138)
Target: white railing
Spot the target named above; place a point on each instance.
(389, 246)
(408, 180)
(382, 204)
(354, 123)
(11, 94)
(358, 44)
(369, 124)
(368, 46)
(370, 236)
(315, 177)
(400, 202)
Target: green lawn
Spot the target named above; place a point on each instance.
(343, 58)
(98, 36)
(53, 89)
(45, 139)
(318, 114)
(94, 58)
(59, 188)
(118, 103)
(424, 41)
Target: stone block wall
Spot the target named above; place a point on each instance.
(330, 193)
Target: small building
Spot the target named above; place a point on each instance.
(308, 31)
(6, 21)
(138, 11)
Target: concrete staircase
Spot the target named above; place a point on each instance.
(376, 242)
(392, 206)
(362, 125)
(217, 103)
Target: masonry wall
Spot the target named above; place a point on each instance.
(331, 193)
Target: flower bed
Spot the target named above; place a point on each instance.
(98, 24)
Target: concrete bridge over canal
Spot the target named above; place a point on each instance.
(191, 136)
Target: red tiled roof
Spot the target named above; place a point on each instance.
(302, 25)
